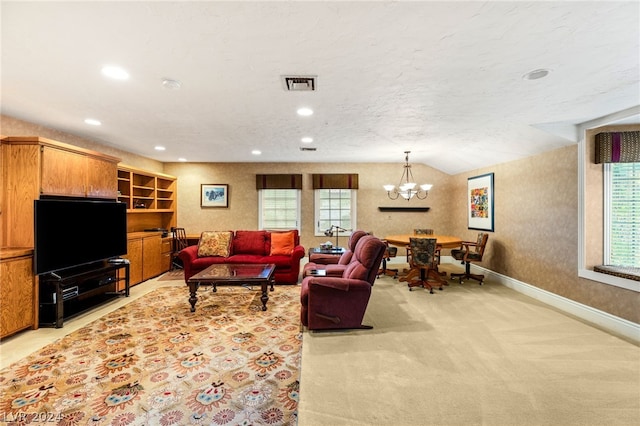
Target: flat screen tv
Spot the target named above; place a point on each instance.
(71, 233)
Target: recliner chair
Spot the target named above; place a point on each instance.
(339, 303)
(336, 270)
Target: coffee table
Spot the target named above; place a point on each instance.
(229, 273)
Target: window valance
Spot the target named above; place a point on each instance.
(335, 181)
(617, 147)
(283, 181)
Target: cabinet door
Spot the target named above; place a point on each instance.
(134, 254)
(152, 257)
(17, 295)
(63, 172)
(167, 249)
(102, 178)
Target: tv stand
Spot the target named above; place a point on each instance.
(64, 294)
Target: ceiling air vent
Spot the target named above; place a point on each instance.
(299, 83)
(304, 148)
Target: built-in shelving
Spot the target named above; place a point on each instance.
(150, 198)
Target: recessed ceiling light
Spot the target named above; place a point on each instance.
(307, 140)
(169, 83)
(305, 112)
(536, 74)
(92, 122)
(256, 152)
(182, 159)
(160, 148)
(114, 72)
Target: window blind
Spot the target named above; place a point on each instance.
(624, 215)
(280, 208)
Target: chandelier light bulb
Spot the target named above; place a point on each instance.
(407, 186)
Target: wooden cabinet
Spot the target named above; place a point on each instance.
(144, 251)
(70, 173)
(17, 292)
(33, 166)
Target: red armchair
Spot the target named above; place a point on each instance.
(338, 303)
(336, 270)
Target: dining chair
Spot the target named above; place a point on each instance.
(179, 243)
(423, 270)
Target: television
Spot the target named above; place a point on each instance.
(71, 232)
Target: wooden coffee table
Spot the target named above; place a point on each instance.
(229, 273)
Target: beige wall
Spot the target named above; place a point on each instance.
(243, 197)
(536, 230)
(536, 211)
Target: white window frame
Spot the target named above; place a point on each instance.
(319, 224)
(583, 272)
(261, 220)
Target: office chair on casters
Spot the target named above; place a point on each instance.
(418, 231)
(389, 252)
(423, 264)
(179, 243)
(468, 252)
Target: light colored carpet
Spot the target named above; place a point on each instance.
(468, 355)
(174, 275)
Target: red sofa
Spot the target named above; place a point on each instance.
(249, 247)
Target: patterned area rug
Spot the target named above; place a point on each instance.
(153, 362)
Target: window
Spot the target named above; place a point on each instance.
(622, 214)
(335, 207)
(279, 208)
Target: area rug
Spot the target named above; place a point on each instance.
(153, 362)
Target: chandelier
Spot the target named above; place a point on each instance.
(407, 186)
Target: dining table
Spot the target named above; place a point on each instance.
(444, 241)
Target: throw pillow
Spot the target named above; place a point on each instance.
(282, 243)
(214, 243)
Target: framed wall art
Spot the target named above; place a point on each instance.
(214, 195)
(480, 202)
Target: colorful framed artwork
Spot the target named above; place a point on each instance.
(214, 195)
(480, 202)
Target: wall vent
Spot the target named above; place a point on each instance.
(304, 148)
(299, 83)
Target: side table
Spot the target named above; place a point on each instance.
(325, 257)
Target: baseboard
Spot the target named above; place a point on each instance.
(601, 319)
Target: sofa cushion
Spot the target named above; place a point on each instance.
(214, 243)
(250, 242)
(282, 243)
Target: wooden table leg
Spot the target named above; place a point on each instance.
(265, 294)
(193, 289)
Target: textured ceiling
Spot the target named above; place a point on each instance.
(442, 79)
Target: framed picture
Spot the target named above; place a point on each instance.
(480, 202)
(214, 195)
